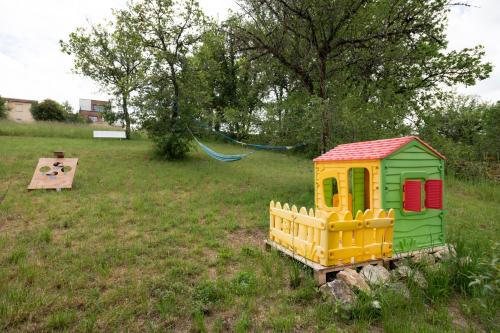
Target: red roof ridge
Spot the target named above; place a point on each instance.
(370, 150)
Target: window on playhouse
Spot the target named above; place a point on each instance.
(359, 189)
(434, 194)
(412, 195)
(331, 192)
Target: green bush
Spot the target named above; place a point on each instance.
(70, 116)
(48, 110)
(3, 108)
(74, 118)
(491, 125)
(465, 130)
(171, 137)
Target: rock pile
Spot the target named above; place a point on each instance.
(349, 282)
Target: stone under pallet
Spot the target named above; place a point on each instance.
(320, 272)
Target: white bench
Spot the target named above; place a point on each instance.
(110, 134)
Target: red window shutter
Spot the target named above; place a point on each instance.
(412, 195)
(434, 194)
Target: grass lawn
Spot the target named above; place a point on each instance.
(146, 245)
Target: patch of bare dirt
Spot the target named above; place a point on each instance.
(456, 317)
(245, 237)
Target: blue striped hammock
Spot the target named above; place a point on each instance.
(219, 156)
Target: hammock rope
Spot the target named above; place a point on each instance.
(252, 145)
(258, 146)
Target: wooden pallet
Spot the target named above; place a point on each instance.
(320, 272)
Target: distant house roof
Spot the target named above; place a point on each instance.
(370, 150)
(18, 100)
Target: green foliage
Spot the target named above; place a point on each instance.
(171, 137)
(234, 84)
(3, 108)
(110, 54)
(458, 119)
(70, 116)
(285, 72)
(491, 126)
(48, 110)
(169, 32)
(462, 127)
(339, 52)
(109, 116)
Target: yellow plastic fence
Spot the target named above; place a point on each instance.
(334, 238)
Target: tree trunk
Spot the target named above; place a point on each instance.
(175, 103)
(325, 109)
(126, 116)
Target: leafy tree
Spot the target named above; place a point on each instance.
(3, 108)
(491, 125)
(109, 116)
(48, 110)
(67, 107)
(69, 115)
(217, 64)
(170, 31)
(465, 130)
(233, 81)
(110, 54)
(459, 119)
(382, 51)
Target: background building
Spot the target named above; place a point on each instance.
(91, 110)
(19, 109)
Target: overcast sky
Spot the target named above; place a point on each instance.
(32, 66)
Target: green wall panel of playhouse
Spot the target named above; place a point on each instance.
(412, 230)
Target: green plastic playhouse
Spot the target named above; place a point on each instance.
(405, 174)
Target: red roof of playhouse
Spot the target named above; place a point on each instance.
(370, 150)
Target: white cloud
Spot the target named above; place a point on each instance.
(478, 25)
(31, 63)
(32, 66)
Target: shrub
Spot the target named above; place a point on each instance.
(48, 110)
(491, 124)
(74, 118)
(172, 138)
(3, 108)
(70, 116)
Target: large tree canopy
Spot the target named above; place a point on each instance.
(372, 46)
(279, 71)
